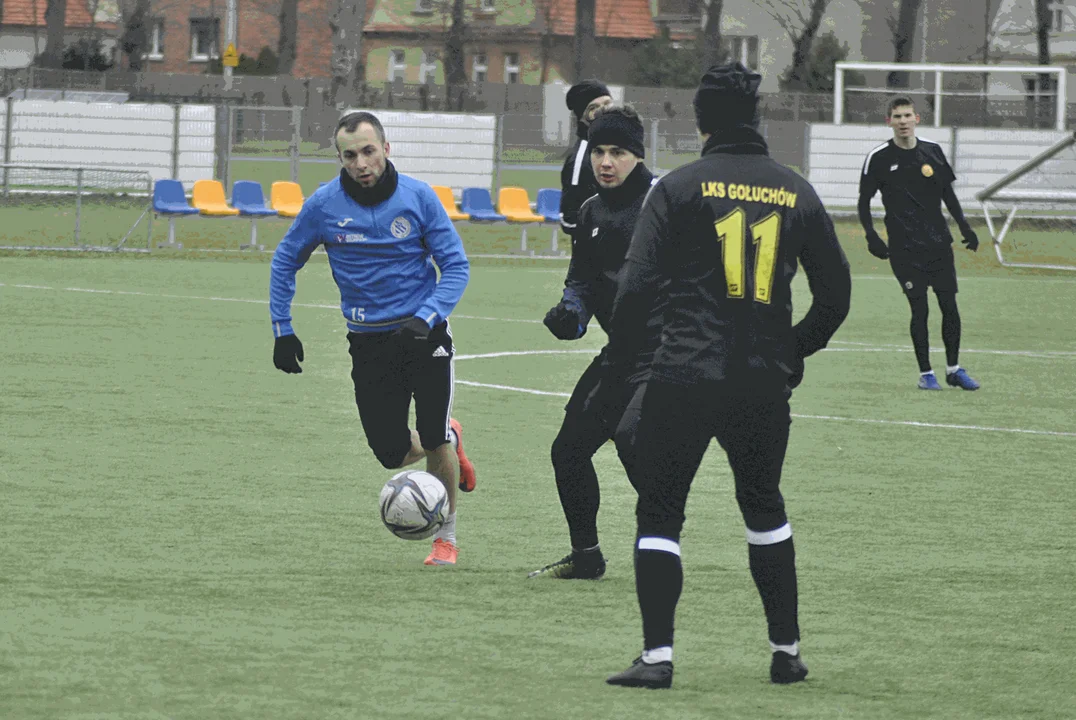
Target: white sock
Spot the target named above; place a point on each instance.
(658, 654)
(950, 369)
(928, 372)
(793, 649)
(448, 530)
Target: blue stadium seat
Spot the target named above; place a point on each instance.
(548, 204)
(169, 198)
(478, 203)
(248, 199)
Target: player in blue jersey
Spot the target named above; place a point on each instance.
(383, 232)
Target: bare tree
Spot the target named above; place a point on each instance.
(455, 72)
(347, 23)
(801, 20)
(55, 24)
(1043, 25)
(903, 29)
(711, 46)
(288, 44)
(134, 41)
(585, 42)
(547, 10)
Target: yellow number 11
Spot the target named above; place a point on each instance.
(765, 232)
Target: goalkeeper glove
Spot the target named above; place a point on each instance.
(970, 240)
(288, 353)
(564, 322)
(876, 245)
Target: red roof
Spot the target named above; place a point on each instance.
(21, 12)
(613, 18)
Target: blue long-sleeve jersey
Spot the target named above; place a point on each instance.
(382, 257)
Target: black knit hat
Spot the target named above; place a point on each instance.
(614, 126)
(580, 95)
(727, 97)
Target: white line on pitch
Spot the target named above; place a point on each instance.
(833, 418)
(857, 346)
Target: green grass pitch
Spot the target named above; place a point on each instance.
(187, 533)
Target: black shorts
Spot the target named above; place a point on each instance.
(916, 273)
(588, 426)
(387, 376)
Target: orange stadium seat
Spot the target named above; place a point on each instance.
(444, 194)
(286, 198)
(208, 197)
(513, 203)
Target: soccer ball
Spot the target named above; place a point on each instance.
(414, 505)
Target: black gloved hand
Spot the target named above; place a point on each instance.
(796, 377)
(563, 322)
(970, 239)
(415, 335)
(287, 354)
(877, 246)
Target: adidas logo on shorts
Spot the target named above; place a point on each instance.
(440, 352)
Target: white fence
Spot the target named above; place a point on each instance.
(979, 157)
(165, 141)
(449, 149)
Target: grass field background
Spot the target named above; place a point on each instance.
(189, 533)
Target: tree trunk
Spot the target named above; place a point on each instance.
(585, 30)
(713, 52)
(346, 24)
(801, 50)
(455, 72)
(903, 40)
(1042, 39)
(288, 47)
(135, 39)
(55, 16)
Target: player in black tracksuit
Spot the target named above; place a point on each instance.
(726, 233)
(605, 226)
(915, 178)
(577, 181)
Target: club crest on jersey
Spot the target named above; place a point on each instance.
(928, 171)
(400, 228)
(594, 232)
(908, 285)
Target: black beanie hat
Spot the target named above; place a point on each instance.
(580, 95)
(727, 97)
(616, 128)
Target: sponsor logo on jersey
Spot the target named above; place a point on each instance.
(345, 221)
(400, 228)
(594, 232)
(893, 167)
(349, 237)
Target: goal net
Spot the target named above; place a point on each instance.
(74, 208)
(1031, 212)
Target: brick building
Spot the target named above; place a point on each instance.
(22, 34)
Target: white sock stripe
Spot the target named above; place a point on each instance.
(769, 537)
(661, 544)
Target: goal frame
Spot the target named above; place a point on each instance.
(939, 70)
(998, 192)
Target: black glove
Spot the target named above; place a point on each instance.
(971, 240)
(414, 335)
(877, 246)
(563, 322)
(288, 353)
(796, 377)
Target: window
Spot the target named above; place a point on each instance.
(479, 67)
(1058, 16)
(1039, 88)
(423, 7)
(204, 34)
(487, 6)
(511, 68)
(397, 66)
(155, 51)
(427, 69)
(744, 49)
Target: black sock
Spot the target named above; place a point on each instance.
(950, 328)
(659, 577)
(577, 485)
(774, 569)
(920, 333)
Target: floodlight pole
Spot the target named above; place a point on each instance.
(229, 40)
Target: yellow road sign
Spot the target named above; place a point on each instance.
(230, 57)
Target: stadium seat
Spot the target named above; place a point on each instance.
(477, 203)
(208, 197)
(248, 199)
(444, 194)
(513, 203)
(549, 204)
(170, 200)
(286, 198)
